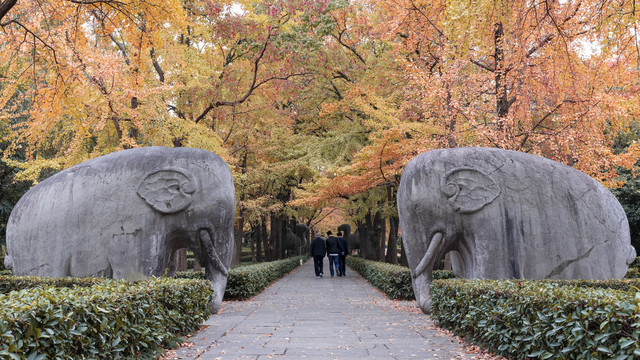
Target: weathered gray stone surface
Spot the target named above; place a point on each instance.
(506, 214)
(124, 215)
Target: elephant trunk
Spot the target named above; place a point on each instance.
(422, 275)
(215, 270)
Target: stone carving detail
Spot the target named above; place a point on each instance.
(506, 214)
(469, 190)
(167, 191)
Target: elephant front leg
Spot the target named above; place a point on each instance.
(215, 270)
(422, 275)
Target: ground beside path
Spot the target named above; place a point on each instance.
(302, 316)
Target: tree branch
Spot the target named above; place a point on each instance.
(156, 65)
(483, 65)
(428, 20)
(542, 43)
(339, 38)
(539, 122)
(254, 83)
(5, 6)
(34, 36)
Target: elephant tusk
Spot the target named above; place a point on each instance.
(429, 257)
(210, 251)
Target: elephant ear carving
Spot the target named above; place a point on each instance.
(168, 191)
(469, 190)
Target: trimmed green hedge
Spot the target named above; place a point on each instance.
(250, 280)
(10, 283)
(3, 253)
(634, 269)
(542, 319)
(393, 280)
(103, 320)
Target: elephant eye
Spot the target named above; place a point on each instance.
(174, 189)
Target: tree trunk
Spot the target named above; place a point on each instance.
(239, 231)
(369, 237)
(181, 259)
(502, 100)
(403, 255)
(392, 244)
(276, 238)
(362, 238)
(380, 228)
(282, 234)
(252, 240)
(268, 244)
(261, 233)
(238, 235)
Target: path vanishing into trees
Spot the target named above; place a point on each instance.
(302, 316)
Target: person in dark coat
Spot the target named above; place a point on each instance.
(318, 251)
(333, 251)
(344, 250)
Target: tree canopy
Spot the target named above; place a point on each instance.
(318, 104)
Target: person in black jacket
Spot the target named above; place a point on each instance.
(333, 251)
(318, 250)
(344, 250)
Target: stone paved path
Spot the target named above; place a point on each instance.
(303, 317)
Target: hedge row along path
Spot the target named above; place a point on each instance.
(301, 316)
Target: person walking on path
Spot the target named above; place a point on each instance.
(318, 251)
(333, 250)
(344, 250)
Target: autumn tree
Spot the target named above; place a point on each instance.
(540, 77)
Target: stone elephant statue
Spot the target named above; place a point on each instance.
(507, 214)
(303, 233)
(124, 215)
(353, 239)
(296, 239)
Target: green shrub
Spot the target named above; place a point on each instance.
(634, 269)
(3, 253)
(250, 280)
(16, 283)
(541, 319)
(393, 280)
(443, 274)
(105, 320)
(632, 273)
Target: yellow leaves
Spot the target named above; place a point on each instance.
(32, 169)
